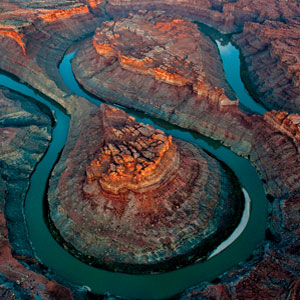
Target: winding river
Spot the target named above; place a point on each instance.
(238, 247)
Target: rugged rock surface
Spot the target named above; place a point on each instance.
(137, 201)
(272, 57)
(172, 65)
(25, 133)
(270, 142)
(225, 15)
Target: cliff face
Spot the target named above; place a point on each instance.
(171, 64)
(272, 56)
(136, 200)
(25, 133)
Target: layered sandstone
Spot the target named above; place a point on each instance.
(225, 15)
(131, 198)
(25, 133)
(171, 65)
(272, 59)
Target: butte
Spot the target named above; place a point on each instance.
(131, 199)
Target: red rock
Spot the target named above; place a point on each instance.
(268, 142)
(136, 157)
(34, 37)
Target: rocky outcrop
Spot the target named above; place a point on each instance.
(138, 200)
(25, 133)
(271, 144)
(132, 157)
(289, 124)
(202, 10)
(272, 60)
(172, 65)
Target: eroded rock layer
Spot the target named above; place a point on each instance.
(272, 56)
(135, 200)
(150, 59)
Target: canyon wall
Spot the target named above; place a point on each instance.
(25, 134)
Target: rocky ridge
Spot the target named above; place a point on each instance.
(227, 16)
(272, 151)
(38, 35)
(134, 156)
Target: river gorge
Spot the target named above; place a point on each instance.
(244, 243)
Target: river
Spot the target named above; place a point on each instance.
(237, 248)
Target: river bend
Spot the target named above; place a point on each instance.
(236, 248)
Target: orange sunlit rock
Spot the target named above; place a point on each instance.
(136, 199)
(171, 78)
(168, 26)
(288, 124)
(104, 49)
(18, 37)
(94, 3)
(58, 14)
(133, 157)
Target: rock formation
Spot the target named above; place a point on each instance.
(35, 36)
(272, 58)
(225, 15)
(138, 200)
(172, 64)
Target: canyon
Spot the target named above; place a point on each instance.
(169, 79)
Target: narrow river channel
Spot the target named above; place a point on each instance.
(237, 248)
